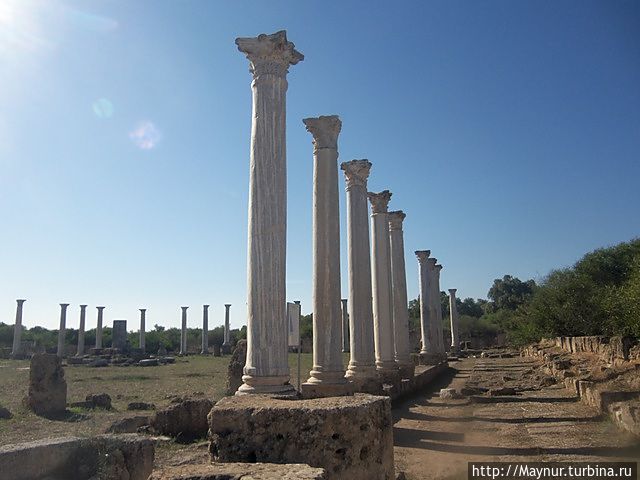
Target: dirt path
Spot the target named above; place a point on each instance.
(436, 438)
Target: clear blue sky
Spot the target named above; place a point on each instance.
(509, 132)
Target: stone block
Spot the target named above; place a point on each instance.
(107, 456)
(233, 471)
(47, 387)
(350, 437)
(185, 420)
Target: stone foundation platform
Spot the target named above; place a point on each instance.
(349, 437)
(227, 471)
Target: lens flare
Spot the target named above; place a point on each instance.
(145, 135)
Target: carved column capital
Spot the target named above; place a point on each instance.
(395, 220)
(356, 172)
(325, 130)
(379, 201)
(269, 54)
(452, 291)
(422, 255)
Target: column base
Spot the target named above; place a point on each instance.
(364, 379)
(319, 390)
(275, 385)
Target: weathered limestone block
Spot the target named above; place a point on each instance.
(129, 424)
(116, 457)
(185, 420)
(47, 386)
(238, 471)
(627, 415)
(236, 365)
(350, 437)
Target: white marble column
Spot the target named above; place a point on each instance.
(362, 369)
(16, 351)
(327, 374)
(141, 340)
(99, 327)
(453, 315)
(267, 367)
(400, 303)
(345, 325)
(63, 328)
(381, 275)
(425, 300)
(205, 330)
(438, 330)
(183, 332)
(227, 327)
(83, 317)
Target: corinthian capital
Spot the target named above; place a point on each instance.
(452, 291)
(356, 172)
(395, 220)
(422, 255)
(269, 54)
(379, 201)
(325, 130)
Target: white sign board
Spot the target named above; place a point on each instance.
(293, 319)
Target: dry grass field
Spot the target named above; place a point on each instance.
(193, 375)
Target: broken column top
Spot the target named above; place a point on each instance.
(453, 291)
(379, 201)
(422, 255)
(325, 130)
(395, 219)
(271, 54)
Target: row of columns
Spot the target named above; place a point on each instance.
(377, 310)
(16, 350)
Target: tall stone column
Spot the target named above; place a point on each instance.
(205, 330)
(183, 332)
(425, 300)
(345, 325)
(16, 351)
(83, 317)
(453, 315)
(227, 327)
(362, 368)
(63, 328)
(400, 303)
(267, 367)
(99, 327)
(141, 341)
(381, 274)
(327, 374)
(438, 331)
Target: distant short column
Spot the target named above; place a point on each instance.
(227, 327)
(62, 331)
(16, 351)
(205, 330)
(99, 327)
(386, 365)
(142, 342)
(425, 299)
(83, 317)
(453, 313)
(183, 332)
(345, 325)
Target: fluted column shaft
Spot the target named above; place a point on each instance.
(267, 368)
(62, 330)
(438, 331)
(83, 317)
(99, 327)
(17, 330)
(205, 330)
(400, 304)
(328, 370)
(183, 332)
(453, 313)
(382, 293)
(425, 300)
(345, 325)
(142, 333)
(361, 370)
